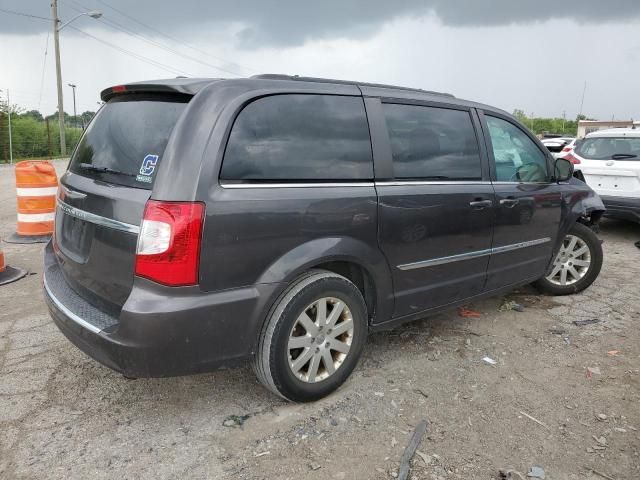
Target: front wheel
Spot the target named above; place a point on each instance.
(313, 337)
(576, 265)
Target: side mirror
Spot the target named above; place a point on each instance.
(563, 170)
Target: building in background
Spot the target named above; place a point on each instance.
(588, 126)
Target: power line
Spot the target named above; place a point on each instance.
(118, 26)
(44, 64)
(173, 38)
(22, 14)
(150, 61)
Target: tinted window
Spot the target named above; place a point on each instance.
(517, 157)
(428, 142)
(128, 135)
(604, 148)
(300, 137)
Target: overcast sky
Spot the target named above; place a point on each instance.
(532, 55)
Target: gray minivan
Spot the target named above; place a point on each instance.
(208, 222)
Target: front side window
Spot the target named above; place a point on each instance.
(517, 157)
(432, 143)
(299, 137)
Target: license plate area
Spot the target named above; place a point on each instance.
(73, 236)
(612, 182)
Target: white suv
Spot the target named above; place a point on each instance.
(609, 161)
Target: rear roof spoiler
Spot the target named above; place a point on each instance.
(183, 86)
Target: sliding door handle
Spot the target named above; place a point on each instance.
(480, 204)
(509, 202)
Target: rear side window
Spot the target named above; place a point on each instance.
(299, 137)
(432, 143)
(602, 148)
(124, 143)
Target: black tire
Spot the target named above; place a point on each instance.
(271, 362)
(588, 236)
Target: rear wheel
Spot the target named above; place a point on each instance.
(313, 337)
(576, 265)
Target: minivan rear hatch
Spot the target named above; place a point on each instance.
(103, 194)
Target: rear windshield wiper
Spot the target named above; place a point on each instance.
(622, 156)
(93, 168)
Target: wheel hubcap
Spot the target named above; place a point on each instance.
(320, 340)
(572, 262)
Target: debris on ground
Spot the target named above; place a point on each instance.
(489, 360)
(235, 420)
(409, 452)
(468, 313)
(582, 323)
(557, 331)
(510, 474)
(602, 417)
(534, 419)
(593, 371)
(511, 305)
(600, 474)
(426, 458)
(536, 472)
(613, 353)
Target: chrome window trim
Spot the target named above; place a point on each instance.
(470, 255)
(398, 183)
(522, 183)
(68, 312)
(296, 185)
(97, 219)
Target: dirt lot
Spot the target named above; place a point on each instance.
(62, 415)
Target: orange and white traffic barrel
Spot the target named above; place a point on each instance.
(9, 274)
(36, 189)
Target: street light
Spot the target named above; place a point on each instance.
(75, 115)
(56, 30)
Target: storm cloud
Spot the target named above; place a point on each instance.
(292, 22)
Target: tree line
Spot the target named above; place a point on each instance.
(34, 135)
(542, 125)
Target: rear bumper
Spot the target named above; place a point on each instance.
(161, 331)
(622, 207)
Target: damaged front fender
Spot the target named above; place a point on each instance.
(579, 204)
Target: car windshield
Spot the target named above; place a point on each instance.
(604, 148)
(124, 143)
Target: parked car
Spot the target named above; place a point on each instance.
(609, 162)
(557, 145)
(278, 220)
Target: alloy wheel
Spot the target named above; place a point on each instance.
(572, 262)
(320, 340)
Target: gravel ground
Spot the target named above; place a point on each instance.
(559, 397)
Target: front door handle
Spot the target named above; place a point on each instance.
(509, 202)
(480, 204)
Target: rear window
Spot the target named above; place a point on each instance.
(603, 148)
(299, 137)
(125, 142)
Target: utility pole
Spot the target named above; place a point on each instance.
(75, 115)
(532, 122)
(9, 115)
(582, 101)
(48, 138)
(56, 42)
(564, 118)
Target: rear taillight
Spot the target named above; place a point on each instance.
(567, 149)
(168, 249)
(571, 158)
